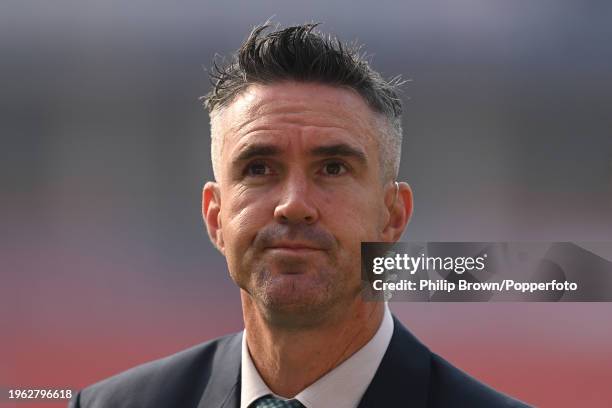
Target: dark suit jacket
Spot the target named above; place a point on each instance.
(208, 375)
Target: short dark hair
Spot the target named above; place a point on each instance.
(300, 53)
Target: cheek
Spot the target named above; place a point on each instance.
(242, 217)
(352, 220)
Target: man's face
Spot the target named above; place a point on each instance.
(299, 187)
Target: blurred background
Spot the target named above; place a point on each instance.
(104, 259)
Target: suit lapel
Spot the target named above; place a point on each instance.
(233, 398)
(223, 389)
(402, 379)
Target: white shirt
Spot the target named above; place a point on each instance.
(342, 387)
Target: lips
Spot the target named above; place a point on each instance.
(294, 246)
(294, 239)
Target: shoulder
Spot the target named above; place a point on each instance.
(411, 373)
(449, 386)
(177, 379)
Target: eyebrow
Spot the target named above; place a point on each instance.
(256, 150)
(340, 149)
(262, 150)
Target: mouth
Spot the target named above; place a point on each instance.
(293, 248)
(297, 250)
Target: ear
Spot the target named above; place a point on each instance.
(399, 204)
(211, 213)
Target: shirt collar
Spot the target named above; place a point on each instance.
(342, 387)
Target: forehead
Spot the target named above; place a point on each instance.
(322, 109)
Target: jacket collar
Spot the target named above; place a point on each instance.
(223, 389)
(403, 374)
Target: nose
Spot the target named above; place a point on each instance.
(296, 204)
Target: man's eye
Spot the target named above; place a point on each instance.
(334, 169)
(257, 169)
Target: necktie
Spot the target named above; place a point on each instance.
(270, 401)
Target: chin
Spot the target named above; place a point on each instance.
(294, 299)
(294, 290)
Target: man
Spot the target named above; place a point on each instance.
(305, 151)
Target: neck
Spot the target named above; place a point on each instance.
(289, 359)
